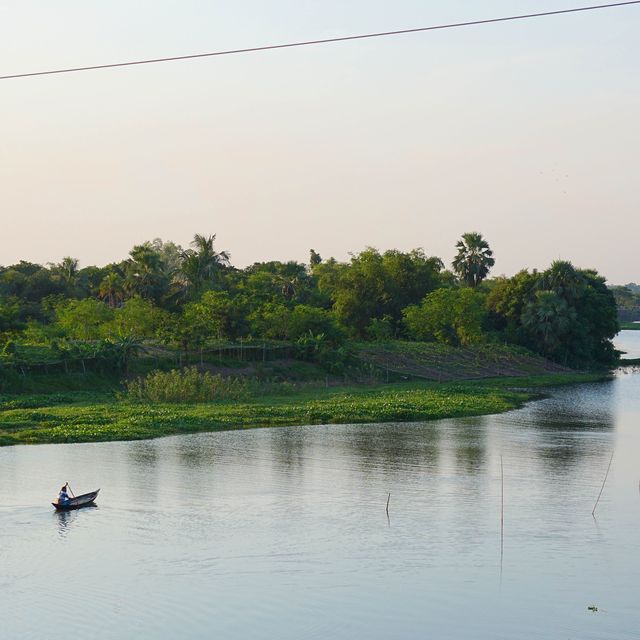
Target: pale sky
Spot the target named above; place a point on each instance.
(527, 132)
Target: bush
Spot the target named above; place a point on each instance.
(450, 316)
(10, 380)
(185, 386)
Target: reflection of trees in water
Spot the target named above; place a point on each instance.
(142, 472)
(144, 453)
(196, 453)
(389, 447)
(395, 447)
(288, 447)
(566, 427)
(422, 445)
(468, 438)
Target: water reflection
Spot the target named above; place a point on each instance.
(288, 449)
(470, 444)
(395, 447)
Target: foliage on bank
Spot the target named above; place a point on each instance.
(99, 318)
(79, 417)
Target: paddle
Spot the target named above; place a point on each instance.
(72, 494)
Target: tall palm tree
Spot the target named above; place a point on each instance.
(474, 259)
(201, 264)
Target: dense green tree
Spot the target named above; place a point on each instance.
(450, 316)
(83, 319)
(473, 260)
(564, 313)
(279, 322)
(286, 283)
(375, 285)
(215, 316)
(9, 314)
(548, 319)
(136, 318)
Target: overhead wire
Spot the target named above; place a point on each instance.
(306, 43)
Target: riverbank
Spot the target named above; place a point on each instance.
(82, 416)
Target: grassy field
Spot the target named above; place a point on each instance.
(95, 416)
(630, 326)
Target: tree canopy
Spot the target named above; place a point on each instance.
(191, 297)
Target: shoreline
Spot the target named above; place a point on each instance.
(48, 419)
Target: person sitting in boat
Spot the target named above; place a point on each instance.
(63, 496)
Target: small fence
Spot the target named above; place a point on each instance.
(238, 352)
(71, 365)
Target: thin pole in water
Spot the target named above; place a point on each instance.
(388, 498)
(606, 475)
(501, 507)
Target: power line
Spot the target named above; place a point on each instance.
(307, 43)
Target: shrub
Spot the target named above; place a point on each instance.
(185, 386)
(10, 380)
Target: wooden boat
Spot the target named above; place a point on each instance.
(85, 500)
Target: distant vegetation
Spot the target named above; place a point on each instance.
(628, 301)
(164, 299)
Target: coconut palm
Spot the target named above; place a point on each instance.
(474, 259)
(202, 263)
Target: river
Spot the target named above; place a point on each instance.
(282, 533)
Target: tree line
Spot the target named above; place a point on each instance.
(628, 301)
(194, 297)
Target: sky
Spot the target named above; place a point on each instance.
(527, 132)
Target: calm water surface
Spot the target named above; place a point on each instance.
(282, 533)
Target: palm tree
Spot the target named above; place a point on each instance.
(564, 279)
(201, 264)
(110, 289)
(68, 270)
(474, 259)
(549, 318)
(145, 273)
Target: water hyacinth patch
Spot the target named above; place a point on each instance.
(103, 418)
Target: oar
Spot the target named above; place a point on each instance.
(73, 495)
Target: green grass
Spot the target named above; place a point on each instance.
(82, 416)
(630, 326)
